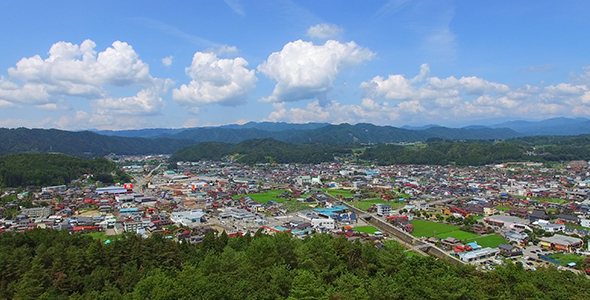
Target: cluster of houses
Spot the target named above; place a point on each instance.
(511, 199)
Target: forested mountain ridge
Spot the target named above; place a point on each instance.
(47, 264)
(54, 169)
(318, 132)
(434, 152)
(262, 151)
(343, 134)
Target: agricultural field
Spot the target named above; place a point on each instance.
(429, 229)
(577, 227)
(266, 196)
(366, 229)
(488, 241)
(366, 204)
(546, 199)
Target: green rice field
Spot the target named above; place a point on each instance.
(367, 229)
(492, 241)
(429, 229)
(266, 196)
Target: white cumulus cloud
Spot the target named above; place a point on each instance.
(303, 70)
(214, 80)
(335, 112)
(80, 71)
(324, 31)
(167, 61)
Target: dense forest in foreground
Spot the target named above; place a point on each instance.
(47, 264)
(55, 169)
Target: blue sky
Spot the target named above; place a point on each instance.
(144, 64)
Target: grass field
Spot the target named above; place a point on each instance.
(336, 193)
(577, 226)
(103, 237)
(546, 199)
(264, 197)
(504, 208)
(565, 259)
(429, 229)
(367, 229)
(488, 241)
(366, 204)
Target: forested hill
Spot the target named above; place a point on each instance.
(434, 151)
(54, 169)
(83, 144)
(262, 151)
(47, 264)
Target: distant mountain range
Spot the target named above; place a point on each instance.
(161, 140)
(318, 133)
(285, 131)
(555, 126)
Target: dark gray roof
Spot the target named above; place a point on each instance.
(506, 247)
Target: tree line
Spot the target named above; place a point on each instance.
(49, 264)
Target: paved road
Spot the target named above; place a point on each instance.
(140, 181)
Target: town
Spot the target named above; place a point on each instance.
(485, 216)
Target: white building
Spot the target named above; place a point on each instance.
(323, 223)
(188, 218)
(508, 222)
(479, 254)
(548, 227)
(383, 210)
(585, 223)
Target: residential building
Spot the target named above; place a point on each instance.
(383, 209)
(37, 212)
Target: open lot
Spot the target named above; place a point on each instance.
(488, 241)
(429, 229)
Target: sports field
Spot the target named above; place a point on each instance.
(429, 229)
(367, 229)
(488, 241)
